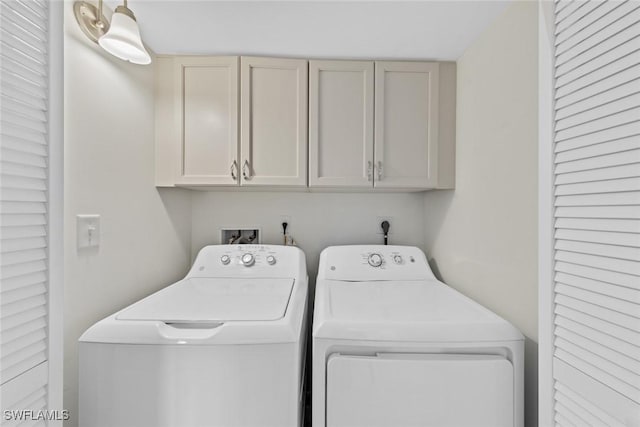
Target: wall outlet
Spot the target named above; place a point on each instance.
(285, 239)
(379, 221)
(88, 231)
(287, 219)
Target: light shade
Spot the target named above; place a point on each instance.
(123, 38)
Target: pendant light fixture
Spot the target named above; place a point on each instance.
(121, 38)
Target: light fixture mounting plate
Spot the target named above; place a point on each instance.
(87, 17)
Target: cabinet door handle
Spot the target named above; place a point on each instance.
(234, 168)
(369, 170)
(379, 170)
(246, 167)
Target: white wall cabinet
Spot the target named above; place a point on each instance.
(341, 124)
(257, 122)
(395, 146)
(207, 119)
(274, 122)
(208, 134)
(406, 125)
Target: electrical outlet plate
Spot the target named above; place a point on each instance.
(379, 220)
(240, 235)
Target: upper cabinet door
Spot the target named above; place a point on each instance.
(207, 112)
(340, 123)
(274, 121)
(406, 125)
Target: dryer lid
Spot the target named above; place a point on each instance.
(199, 300)
(400, 301)
(418, 311)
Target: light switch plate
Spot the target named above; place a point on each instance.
(88, 231)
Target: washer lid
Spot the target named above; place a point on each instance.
(199, 300)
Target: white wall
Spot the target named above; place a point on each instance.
(317, 220)
(482, 237)
(109, 170)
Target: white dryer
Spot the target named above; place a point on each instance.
(394, 347)
(224, 347)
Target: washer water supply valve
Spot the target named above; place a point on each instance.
(240, 236)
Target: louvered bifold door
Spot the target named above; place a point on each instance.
(23, 204)
(596, 364)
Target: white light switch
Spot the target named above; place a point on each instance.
(88, 231)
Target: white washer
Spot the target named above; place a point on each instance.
(393, 346)
(223, 347)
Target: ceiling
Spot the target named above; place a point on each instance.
(438, 30)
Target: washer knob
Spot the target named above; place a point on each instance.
(225, 259)
(271, 260)
(375, 260)
(248, 259)
(398, 259)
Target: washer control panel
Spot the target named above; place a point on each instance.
(227, 260)
(249, 256)
(375, 262)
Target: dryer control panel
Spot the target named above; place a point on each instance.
(374, 262)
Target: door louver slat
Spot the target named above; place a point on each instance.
(596, 145)
(24, 213)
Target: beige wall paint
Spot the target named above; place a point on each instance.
(109, 170)
(482, 237)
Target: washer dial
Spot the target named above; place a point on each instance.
(271, 260)
(225, 259)
(248, 259)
